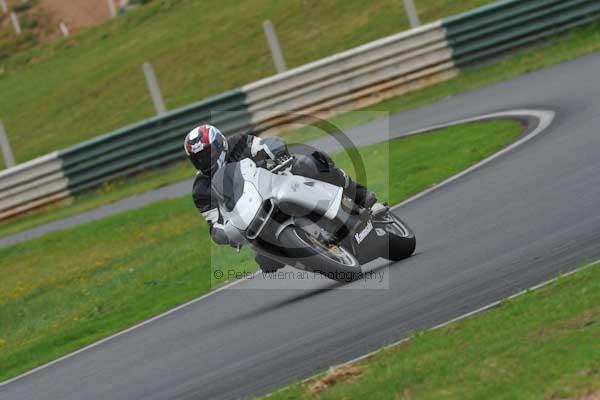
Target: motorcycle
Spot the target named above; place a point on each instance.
(305, 223)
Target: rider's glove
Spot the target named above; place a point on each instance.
(273, 148)
(279, 150)
(280, 159)
(218, 234)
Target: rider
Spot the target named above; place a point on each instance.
(208, 150)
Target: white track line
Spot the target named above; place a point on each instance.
(444, 324)
(469, 314)
(545, 119)
(141, 324)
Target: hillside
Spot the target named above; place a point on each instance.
(72, 89)
(40, 21)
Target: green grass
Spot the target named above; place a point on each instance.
(70, 288)
(577, 43)
(90, 83)
(542, 345)
(415, 163)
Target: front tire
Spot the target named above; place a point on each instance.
(402, 241)
(332, 261)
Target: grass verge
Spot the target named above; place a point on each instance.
(577, 43)
(542, 345)
(70, 288)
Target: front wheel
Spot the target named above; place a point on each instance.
(402, 241)
(330, 260)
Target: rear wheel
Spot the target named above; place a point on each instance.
(330, 260)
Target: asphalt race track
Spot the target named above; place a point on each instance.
(517, 221)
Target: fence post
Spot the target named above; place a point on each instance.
(15, 23)
(411, 11)
(3, 6)
(274, 45)
(123, 5)
(159, 104)
(9, 160)
(111, 8)
(63, 29)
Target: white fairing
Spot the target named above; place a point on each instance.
(247, 207)
(248, 170)
(261, 184)
(248, 204)
(335, 205)
(308, 193)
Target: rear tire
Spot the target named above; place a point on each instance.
(331, 261)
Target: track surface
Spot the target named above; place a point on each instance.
(511, 224)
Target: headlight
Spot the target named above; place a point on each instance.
(260, 220)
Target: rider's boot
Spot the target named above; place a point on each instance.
(366, 199)
(379, 209)
(268, 265)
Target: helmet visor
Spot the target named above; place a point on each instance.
(208, 158)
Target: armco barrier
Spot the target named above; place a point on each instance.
(148, 144)
(487, 31)
(261, 105)
(351, 79)
(32, 184)
(358, 77)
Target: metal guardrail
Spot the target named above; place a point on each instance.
(150, 143)
(506, 25)
(358, 77)
(355, 78)
(32, 184)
